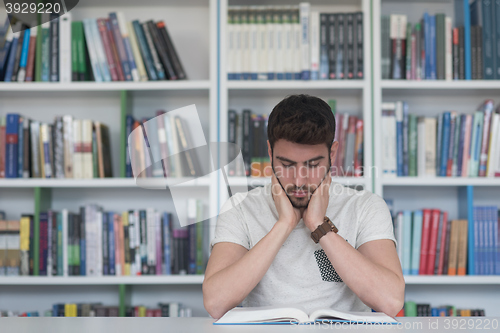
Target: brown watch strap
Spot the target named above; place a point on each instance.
(323, 229)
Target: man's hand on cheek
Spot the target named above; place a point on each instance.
(316, 210)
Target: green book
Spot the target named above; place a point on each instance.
(410, 309)
(412, 145)
(440, 46)
(38, 54)
(45, 65)
(74, 52)
(81, 52)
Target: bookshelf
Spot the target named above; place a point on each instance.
(109, 102)
(453, 194)
(201, 44)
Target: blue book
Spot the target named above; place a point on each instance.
(476, 241)
(166, 244)
(20, 148)
(11, 58)
(128, 48)
(481, 248)
(416, 242)
(406, 145)
(488, 22)
(11, 145)
(434, 312)
(105, 244)
(399, 138)
(476, 139)
(427, 44)
(432, 57)
(111, 243)
(24, 56)
(496, 226)
(496, 37)
(145, 52)
(493, 238)
(445, 143)
(462, 18)
(94, 60)
(407, 246)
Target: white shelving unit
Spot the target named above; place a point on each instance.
(195, 40)
(429, 98)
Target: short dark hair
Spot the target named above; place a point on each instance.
(302, 119)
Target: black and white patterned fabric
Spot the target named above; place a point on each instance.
(326, 269)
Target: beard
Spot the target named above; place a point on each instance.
(302, 202)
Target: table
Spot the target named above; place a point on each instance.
(198, 324)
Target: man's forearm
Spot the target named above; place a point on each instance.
(377, 286)
(228, 287)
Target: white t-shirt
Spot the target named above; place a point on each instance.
(301, 273)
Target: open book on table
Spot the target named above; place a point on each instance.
(297, 315)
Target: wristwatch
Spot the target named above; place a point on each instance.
(322, 229)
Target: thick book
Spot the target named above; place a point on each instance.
(296, 315)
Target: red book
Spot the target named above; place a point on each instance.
(30, 65)
(424, 244)
(442, 241)
(156, 312)
(103, 31)
(150, 313)
(433, 241)
(344, 126)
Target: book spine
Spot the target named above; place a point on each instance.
(323, 60)
(120, 47)
(424, 251)
(448, 49)
(18, 53)
(416, 242)
(54, 48)
(456, 55)
(154, 55)
(305, 9)
(92, 50)
(82, 52)
(114, 51)
(488, 41)
(349, 39)
(315, 44)
(103, 31)
(483, 159)
(11, 145)
(12, 57)
(161, 49)
(101, 56)
(111, 244)
(166, 244)
(359, 46)
(20, 148)
(21, 74)
(65, 57)
(139, 61)
(332, 51)
(339, 61)
(128, 47)
(145, 52)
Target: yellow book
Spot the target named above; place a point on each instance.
(454, 234)
(24, 234)
(142, 311)
(67, 310)
(126, 245)
(462, 248)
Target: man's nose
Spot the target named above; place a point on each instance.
(301, 177)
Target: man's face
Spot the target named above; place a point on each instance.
(300, 168)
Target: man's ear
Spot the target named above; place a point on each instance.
(333, 151)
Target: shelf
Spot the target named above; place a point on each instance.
(296, 84)
(100, 182)
(255, 181)
(441, 84)
(440, 181)
(455, 280)
(106, 86)
(103, 280)
(149, 3)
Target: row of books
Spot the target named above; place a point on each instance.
(433, 49)
(94, 242)
(67, 148)
(293, 43)
(430, 244)
(168, 150)
(101, 50)
(451, 145)
(248, 131)
(413, 309)
(171, 309)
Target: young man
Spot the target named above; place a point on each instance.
(304, 239)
